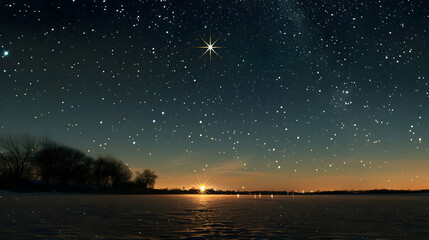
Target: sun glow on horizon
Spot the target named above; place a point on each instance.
(203, 183)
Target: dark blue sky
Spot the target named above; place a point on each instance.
(306, 94)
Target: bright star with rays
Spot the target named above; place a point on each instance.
(210, 47)
(203, 183)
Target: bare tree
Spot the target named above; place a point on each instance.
(68, 159)
(103, 169)
(81, 173)
(46, 159)
(58, 163)
(111, 171)
(146, 179)
(3, 168)
(16, 154)
(61, 163)
(121, 173)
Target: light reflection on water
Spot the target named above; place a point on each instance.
(213, 216)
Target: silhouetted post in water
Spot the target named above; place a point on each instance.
(16, 154)
(146, 179)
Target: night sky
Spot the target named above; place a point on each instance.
(306, 95)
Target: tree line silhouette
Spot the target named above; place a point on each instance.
(25, 160)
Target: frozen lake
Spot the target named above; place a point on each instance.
(213, 216)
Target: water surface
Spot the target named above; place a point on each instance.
(213, 216)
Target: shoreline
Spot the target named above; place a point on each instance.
(378, 192)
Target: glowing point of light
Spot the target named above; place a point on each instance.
(202, 184)
(210, 47)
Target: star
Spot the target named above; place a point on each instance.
(209, 46)
(5, 53)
